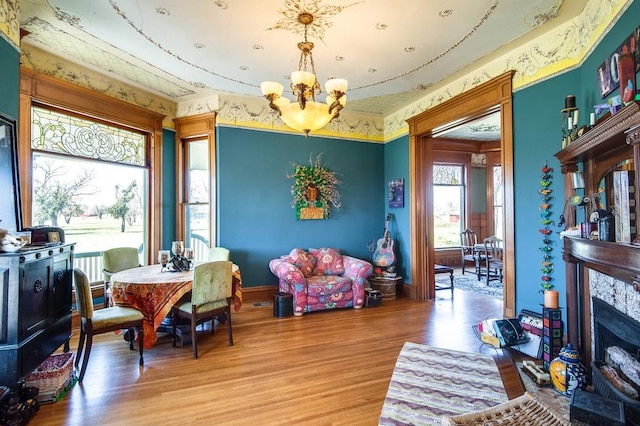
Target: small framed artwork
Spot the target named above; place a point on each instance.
(396, 193)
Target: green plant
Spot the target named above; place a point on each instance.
(314, 186)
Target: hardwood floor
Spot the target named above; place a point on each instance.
(325, 368)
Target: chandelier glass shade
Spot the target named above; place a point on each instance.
(305, 114)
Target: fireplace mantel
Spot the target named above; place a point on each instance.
(613, 139)
(619, 260)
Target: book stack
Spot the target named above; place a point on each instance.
(624, 202)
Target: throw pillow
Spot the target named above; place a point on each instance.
(303, 260)
(328, 261)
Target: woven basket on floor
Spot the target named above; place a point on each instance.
(52, 374)
(524, 410)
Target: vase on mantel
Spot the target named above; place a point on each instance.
(567, 372)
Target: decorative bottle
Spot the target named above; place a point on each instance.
(567, 372)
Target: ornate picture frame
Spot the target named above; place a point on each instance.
(10, 207)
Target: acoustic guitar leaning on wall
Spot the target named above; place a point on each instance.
(384, 253)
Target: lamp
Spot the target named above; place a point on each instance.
(306, 115)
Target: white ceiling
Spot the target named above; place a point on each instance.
(389, 51)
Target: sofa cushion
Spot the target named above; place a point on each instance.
(303, 260)
(327, 284)
(328, 261)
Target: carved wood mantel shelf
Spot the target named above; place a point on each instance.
(614, 139)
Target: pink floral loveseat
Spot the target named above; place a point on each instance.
(321, 279)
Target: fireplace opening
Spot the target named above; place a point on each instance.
(616, 361)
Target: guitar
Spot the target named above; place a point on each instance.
(383, 254)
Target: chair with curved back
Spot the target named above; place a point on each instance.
(101, 320)
(116, 260)
(219, 253)
(493, 259)
(210, 297)
(468, 243)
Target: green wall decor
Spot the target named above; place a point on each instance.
(545, 213)
(314, 190)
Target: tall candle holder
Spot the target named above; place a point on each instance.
(180, 261)
(569, 121)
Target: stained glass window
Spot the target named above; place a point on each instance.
(65, 134)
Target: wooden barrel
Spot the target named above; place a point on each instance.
(386, 287)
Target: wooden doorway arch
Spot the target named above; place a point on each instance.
(491, 95)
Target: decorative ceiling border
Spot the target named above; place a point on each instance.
(43, 62)
(557, 51)
(44, 34)
(10, 21)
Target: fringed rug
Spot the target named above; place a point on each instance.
(471, 283)
(428, 383)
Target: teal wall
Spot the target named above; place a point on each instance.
(535, 144)
(396, 166)
(255, 218)
(169, 201)
(478, 188)
(9, 79)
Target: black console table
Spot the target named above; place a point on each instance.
(35, 307)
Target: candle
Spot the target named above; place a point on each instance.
(592, 119)
(551, 299)
(575, 118)
(570, 123)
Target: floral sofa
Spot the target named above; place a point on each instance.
(321, 279)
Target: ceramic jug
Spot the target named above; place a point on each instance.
(567, 372)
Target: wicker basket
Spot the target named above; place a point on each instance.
(52, 374)
(526, 410)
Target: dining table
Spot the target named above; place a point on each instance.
(153, 290)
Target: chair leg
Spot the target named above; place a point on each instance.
(85, 359)
(80, 347)
(132, 334)
(174, 326)
(229, 332)
(194, 339)
(141, 344)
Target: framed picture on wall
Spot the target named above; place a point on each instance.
(10, 211)
(396, 193)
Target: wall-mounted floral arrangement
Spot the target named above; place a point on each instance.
(314, 190)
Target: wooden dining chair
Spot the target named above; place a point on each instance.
(210, 297)
(468, 243)
(116, 260)
(493, 258)
(100, 321)
(219, 253)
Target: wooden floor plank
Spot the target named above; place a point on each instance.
(325, 368)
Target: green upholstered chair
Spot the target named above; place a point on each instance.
(210, 297)
(116, 260)
(100, 321)
(219, 253)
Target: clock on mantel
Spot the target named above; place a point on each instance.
(613, 141)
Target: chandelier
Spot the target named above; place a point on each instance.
(306, 115)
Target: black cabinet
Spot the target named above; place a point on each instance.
(35, 308)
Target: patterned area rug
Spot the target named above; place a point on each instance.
(428, 383)
(469, 282)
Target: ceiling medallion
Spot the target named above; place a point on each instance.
(319, 13)
(306, 115)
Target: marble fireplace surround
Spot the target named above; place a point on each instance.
(619, 294)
